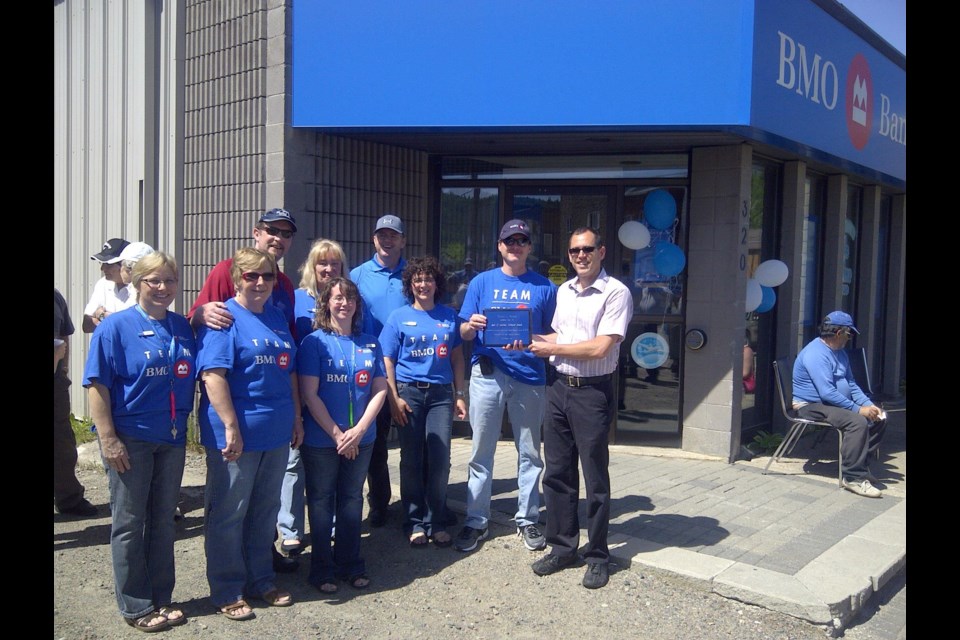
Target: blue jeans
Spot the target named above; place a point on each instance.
(240, 520)
(143, 500)
(335, 487)
(488, 397)
(425, 456)
(290, 520)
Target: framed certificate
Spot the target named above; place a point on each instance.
(506, 325)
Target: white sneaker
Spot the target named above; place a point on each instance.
(862, 488)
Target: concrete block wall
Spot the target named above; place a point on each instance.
(716, 295)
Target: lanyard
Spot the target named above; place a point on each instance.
(351, 370)
(172, 354)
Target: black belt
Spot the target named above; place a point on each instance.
(573, 381)
(423, 385)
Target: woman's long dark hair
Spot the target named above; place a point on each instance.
(323, 320)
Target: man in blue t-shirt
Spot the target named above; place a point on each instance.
(502, 377)
(824, 389)
(380, 282)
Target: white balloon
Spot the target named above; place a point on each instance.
(754, 295)
(634, 235)
(771, 273)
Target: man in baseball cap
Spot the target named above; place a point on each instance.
(380, 282)
(109, 293)
(824, 389)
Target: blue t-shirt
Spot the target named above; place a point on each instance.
(381, 291)
(259, 355)
(494, 289)
(420, 342)
(141, 361)
(304, 312)
(346, 367)
(823, 375)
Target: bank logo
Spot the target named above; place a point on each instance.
(442, 350)
(182, 369)
(363, 378)
(859, 101)
(283, 360)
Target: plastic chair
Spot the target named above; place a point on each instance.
(797, 424)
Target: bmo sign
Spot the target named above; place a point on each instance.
(816, 78)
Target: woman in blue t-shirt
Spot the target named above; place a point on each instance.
(343, 384)
(249, 418)
(326, 260)
(423, 356)
(140, 378)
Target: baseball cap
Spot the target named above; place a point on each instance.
(278, 215)
(840, 319)
(390, 221)
(514, 227)
(110, 253)
(135, 250)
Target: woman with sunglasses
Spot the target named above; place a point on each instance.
(140, 379)
(424, 361)
(249, 417)
(343, 384)
(326, 260)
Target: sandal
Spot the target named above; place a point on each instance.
(328, 587)
(418, 539)
(442, 539)
(143, 622)
(291, 547)
(174, 617)
(361, 581)
(277, 598)
(232, 611)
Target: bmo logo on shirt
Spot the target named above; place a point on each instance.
(283, 360)
(362, 378)
(182, 369)
(442, 350)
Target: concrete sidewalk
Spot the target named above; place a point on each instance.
(790, 541)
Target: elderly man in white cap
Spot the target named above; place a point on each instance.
(109, 293)
(129, 257)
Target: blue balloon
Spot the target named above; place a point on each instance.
(659, 209)
(668, 258)
(768, 300)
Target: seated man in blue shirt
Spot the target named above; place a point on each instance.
(824, 390)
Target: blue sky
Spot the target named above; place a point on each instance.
(887, 17)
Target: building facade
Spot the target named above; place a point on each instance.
(738, 132)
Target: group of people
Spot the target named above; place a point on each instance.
(299, 388)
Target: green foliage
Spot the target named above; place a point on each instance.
(766, 443)
(81, 429)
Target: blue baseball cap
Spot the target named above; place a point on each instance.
(840, 319)
(279, 215)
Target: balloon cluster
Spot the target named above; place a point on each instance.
(660, 212)
(760, 294)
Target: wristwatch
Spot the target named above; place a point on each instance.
(459, 394)
(100, 315)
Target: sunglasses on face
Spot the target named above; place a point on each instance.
(253, 276)
(516, 242)
(575, 251)
(286, 234)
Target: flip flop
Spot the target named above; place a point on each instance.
(143, 622)
(277, 598)
(361, 581)
(291, 546)
(230, 611)
(173, 622)
(418, 539)
(328, 587)
(442, 539)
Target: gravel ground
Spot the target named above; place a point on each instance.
(415, 593)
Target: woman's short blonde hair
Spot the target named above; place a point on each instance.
(150, 263)
(321, 248)
(250, 259)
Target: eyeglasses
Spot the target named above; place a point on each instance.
(424, 280)
(341, 299)
(253, 276)
(516, 242)
(575, 251)
(286, 234)
(154, 283)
